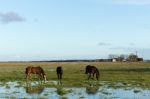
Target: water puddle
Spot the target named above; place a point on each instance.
(91, 91)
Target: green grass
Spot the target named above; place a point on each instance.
(74, 72)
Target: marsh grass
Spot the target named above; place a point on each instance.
(43, 97)
(46, 94)
(61, 91)
(7, 87)
(63, 97)
(81, 97)
(74, 72)
(15, 92)
(137, 90)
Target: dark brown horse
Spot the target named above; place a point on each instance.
(35, 70)
(92, 70)
(59, 72)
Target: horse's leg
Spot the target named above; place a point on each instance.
(97, 76)
(30, 76)
(89, 76)
(60, 76)
(93, 76)
(38, 76)
(60, 82)
(26, 76)
(41, 76)
(57, 76)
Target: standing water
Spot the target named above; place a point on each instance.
(37, 90)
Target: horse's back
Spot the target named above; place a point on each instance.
(34, 70)
(37, 70)
(96, 69)
(88, 69)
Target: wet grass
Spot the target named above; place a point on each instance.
(137, 91)
(82, 97)
(7, 86)
(136, 73)
(60, 91)
(46, 94)
(63, 97)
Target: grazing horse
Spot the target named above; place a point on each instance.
(35, 70)
(92, 70)
(59, 72)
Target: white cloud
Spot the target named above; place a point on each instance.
(10, 17)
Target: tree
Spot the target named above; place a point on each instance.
(112, 56)
(132, 57)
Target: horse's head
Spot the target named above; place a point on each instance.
(87, 69)
(97, 74)
(44, 77)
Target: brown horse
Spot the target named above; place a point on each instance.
(35, 70)
(92, 70)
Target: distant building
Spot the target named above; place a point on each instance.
(114, 60)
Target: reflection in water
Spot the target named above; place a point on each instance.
(60, 91)
(35, 90)
(92, 88)
(59, 82)
(32, 89)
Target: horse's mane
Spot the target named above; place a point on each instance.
(97, 70)
(97, 73)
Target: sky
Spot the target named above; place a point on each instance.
(73, 29)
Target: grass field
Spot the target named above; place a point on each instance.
(74, 72)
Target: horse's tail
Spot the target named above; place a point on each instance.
(26, 71)
(87, 69)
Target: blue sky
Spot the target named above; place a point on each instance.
(73, 29)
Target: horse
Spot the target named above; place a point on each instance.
(35, 70)
(59, 72)
(92, 70)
